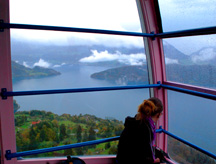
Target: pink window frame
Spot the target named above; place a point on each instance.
(156, 73)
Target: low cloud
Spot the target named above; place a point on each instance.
(103, 56)
(171, 61)
(25, 64)
(59, 65)
(42, 63)
(204, 55)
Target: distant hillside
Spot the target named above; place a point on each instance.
(172, 53)
(202, 75)
(124, 75)
(22, 72)
(31, 52)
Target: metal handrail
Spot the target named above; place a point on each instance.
(10, 155)
(170, 34)
(72, 29)
(188, 143)
(188, 91)
(5, 93)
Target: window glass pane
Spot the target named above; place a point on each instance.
(44, 65)
(193, 119)
(111, 15)
(184, 14)
(183, 153)
(45, 60)
(47, 121)
(191, 60)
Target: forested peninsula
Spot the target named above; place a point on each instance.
(201, 75)
(21, 72)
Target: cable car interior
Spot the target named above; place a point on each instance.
(71, 73)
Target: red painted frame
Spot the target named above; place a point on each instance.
(7, 132)
(158, 73)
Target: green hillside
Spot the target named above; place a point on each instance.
(40, 129)
(22, 72)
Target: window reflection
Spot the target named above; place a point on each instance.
(184, 14)
(191, 60)
(182, 153)
(192, 118)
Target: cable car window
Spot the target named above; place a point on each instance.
(182, 15)
(46, 60)
(191, 60)
(191, 118)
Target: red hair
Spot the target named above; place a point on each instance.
(149, 108)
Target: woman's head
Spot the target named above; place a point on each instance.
(150, 108)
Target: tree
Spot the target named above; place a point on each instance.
(68, 151)
(107, 145)
(113, 149)
(16, 106)
(85, 136)
(32, 136)
(63, 133)
(79, 151)
(79, 133)
(92, 136)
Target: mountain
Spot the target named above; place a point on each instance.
(31, 52)
(21, 72)
(189, 74)
(172, 53)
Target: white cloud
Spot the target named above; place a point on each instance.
(25, 64)
(42, 63)
(59, 65)
(171, 61)
(204, 55)
(132, 59)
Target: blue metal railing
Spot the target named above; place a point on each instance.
(10, 155)
(180, 33)
(188, 143)
(189, 32)
(72, 29)
(191, 92)
(5, 93)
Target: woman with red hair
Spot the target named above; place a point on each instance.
(136, 141)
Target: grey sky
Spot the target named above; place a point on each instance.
(112, 15)
(189, 14)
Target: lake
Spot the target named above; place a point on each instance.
(190, 117)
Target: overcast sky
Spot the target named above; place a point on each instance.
(111, 15)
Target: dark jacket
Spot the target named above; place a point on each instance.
(135, 143)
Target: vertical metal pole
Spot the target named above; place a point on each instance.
(7, 128)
